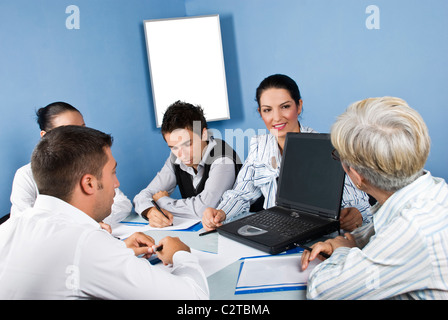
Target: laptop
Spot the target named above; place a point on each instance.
(308, 201)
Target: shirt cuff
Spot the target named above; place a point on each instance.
(182, 256)
(165, 201)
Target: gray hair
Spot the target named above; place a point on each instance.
(384, 140)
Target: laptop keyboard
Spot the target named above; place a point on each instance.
(282, 224)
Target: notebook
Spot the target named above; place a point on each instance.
(308, 201)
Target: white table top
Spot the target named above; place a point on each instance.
(220, 267)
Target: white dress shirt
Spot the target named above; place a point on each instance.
(24, 194)
(403, 254)
(55, 251)
(221, 178)
(259, 174)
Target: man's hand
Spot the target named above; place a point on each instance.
(158, 220)
(170, 247)
(141, 244)
(212, 218)
(106, 227)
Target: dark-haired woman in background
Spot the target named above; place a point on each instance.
(279, 104)
(24, 188)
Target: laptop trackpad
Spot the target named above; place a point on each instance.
(248, 231)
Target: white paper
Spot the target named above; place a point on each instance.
(125, 229)
(273, 273)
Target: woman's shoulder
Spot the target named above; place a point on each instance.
(306, 129)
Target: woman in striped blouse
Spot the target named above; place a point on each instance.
(383, 145)
(279, 104)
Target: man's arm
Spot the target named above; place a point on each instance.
(165, 180)
(221, 178)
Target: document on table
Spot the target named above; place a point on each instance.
(135, 223)
(272, 273)
(134, 218)
(178, 223)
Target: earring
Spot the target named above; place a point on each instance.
(358, 186)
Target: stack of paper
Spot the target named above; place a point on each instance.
(272, 273)
(135, 223)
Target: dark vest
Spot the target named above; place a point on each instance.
(185, 180)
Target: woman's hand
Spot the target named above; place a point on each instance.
(350, 219)
(327, 247)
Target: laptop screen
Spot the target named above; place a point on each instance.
(310, 179)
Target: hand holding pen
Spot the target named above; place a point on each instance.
(167, 247)
(159, 218)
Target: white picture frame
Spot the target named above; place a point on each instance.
(186, 63)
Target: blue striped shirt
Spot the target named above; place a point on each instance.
(258, 176)
(403, 254)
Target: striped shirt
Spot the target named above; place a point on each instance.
(258, 176)
(403, 254)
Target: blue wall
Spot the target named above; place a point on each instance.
(102, 68)
(336, 60)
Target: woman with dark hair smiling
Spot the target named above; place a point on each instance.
(279, 104)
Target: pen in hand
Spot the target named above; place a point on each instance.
(158, 248)
(158, 209)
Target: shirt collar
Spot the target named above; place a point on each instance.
(57, 206)
(383, 214)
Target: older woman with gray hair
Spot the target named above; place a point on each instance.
(383, 145)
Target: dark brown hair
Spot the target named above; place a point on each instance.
(64, 155)
(279, 81)
(45, 115)
(182, 115)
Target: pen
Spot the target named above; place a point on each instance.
(158, 209)
(154, 261)
(207, 232)
(159, 248)
(323, 254)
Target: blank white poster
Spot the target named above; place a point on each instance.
(186, 63)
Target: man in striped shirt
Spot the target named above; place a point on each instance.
(383, 145)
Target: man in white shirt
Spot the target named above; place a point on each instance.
(202, 167)
(24, 188)
(57, 249)
(24, 194)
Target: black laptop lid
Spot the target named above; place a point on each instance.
(310, 179)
